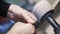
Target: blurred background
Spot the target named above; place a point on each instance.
(52, 2)
(45, 28)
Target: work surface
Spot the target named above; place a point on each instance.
(46, 28)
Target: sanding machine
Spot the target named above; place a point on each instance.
(43, 10)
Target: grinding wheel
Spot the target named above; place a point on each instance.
(44, 10)
(41, 8)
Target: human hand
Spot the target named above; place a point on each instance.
(16, 12)
(22, 28)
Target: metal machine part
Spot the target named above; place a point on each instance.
(43, 10)
(40, 9)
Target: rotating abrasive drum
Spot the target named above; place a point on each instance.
(41, 8)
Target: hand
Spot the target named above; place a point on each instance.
(16, 12)
(22, 28)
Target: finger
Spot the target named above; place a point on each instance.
(28, 18)
(16, 28)
(31, 27)
(22, 28)
(11, 16)
(31, 15)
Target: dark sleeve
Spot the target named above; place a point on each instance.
(4, 8)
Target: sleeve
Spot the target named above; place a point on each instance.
(4, 8)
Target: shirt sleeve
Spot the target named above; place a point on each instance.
(4, 8)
